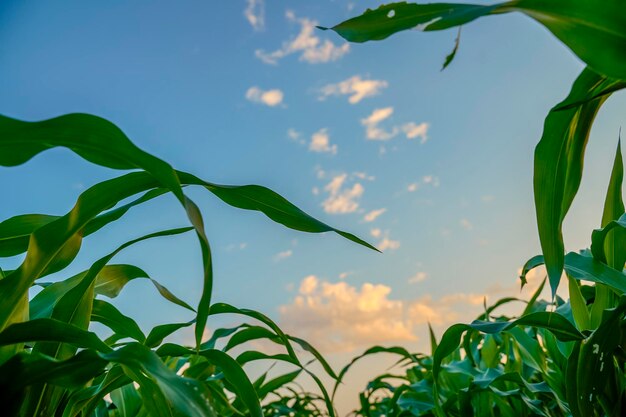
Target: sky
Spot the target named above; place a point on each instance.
(432, 167)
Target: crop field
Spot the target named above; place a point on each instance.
(82, 332)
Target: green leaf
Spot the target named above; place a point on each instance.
(559, 159)
(112, 278)
(396, 350)
(596, 365)
(452, 54)
(15, 232)
(231, 369)
(50, 330)
(111, 317)
(163, 392)
(592, 29)
(270, 203)
(158, 333)
(554, 322)
(579, 306)
(608, 245)
(587, 268)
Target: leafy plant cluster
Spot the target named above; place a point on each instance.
(558, 358)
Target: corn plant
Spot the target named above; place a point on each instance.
(569, 361)
(51, 364)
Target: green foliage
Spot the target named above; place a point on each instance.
(566, 362)
(52, 365)
(558, 358)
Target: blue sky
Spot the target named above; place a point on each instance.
(248, 92)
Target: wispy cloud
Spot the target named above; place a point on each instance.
(388, 244)
(255, 13)
(411, 130)
(414, 131)
(373, 215)
(270, 98)
(341, 198)
(280, 256)
(320, 142)
(356, 88)
(371, 122)
(418, 277)
(310, 47)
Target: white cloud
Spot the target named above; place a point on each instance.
(413, 131)
(412, 187)
(387, 243)
(311, 48)
(280, 256)
(320, 142)
(418, 277)
(430, 180)
(342, 199)
(295, 136)
(371, 122)
(345, 274)
(355, 87)
(342, 317)
(255, 13)
(270, 98)
(373, 215)
(364, 176)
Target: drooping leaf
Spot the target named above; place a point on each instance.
(592, 29)
(111, 317)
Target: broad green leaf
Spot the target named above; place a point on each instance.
(24, 370)
(100, 142)
(158, 333)
(231, 369)
(56, 244)
(587, 268)
(276, 383)
(579, 306)
(163, 392)
(112, 279)
(270, 203)
(87, 399)
(50, 330)
(111, 317)
(571, 374)
(15, 232)
(127, 400)
(592, 29)
(247, 334)
(608, 245)
(559, 159)
(595, 364)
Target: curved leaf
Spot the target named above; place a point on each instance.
(592, 29)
